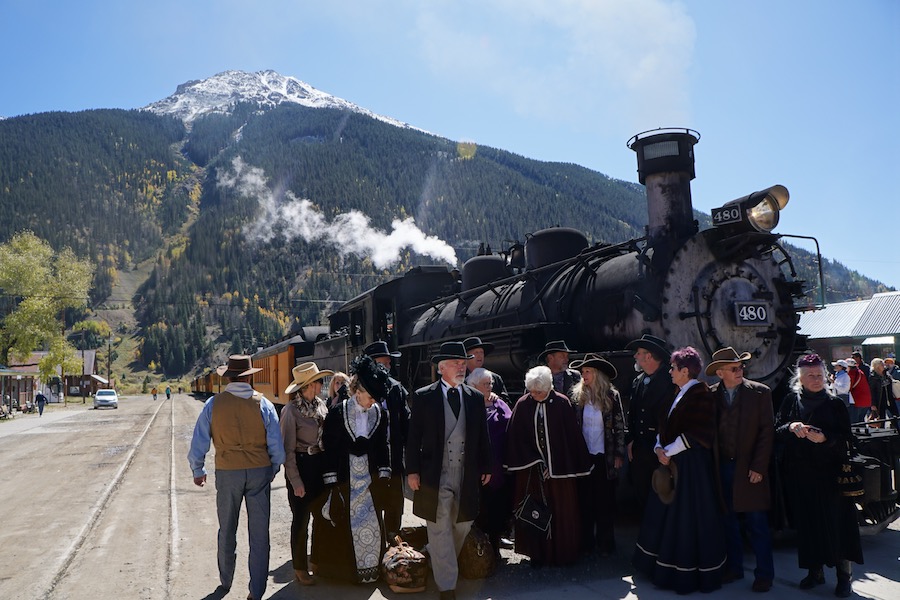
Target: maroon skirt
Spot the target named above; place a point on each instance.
(562, 546)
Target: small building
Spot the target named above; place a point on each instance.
(871, 327)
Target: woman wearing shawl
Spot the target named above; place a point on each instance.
(681, 545)
(813, 429)
(301, 429)
(356, 453)
(545, 448)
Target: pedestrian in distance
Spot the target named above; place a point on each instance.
(41, 400)
(243, 426)
(154, 391)
(168, 393)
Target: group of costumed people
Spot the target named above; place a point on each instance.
(564, 443)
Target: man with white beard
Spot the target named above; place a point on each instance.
(448, 456)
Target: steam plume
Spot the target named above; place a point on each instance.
(349, 233)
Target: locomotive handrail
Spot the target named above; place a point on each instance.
(818, 262)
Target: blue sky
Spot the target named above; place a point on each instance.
(804, 93)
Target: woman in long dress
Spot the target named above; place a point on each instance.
(351, 543)
(545, 450)
(813, 429)
(301, 423)
(681, 545)
(496, 497)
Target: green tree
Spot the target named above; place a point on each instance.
(39, 284)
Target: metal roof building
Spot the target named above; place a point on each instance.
(870, 326)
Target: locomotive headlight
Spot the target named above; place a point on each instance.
(757, 211)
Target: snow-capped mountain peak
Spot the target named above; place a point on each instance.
(221, 92)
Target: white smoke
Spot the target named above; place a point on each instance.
(349, 233)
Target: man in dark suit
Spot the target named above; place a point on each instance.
(448, 456)
(649, 391)
(556, 356)
(398, 429)
(746, 433)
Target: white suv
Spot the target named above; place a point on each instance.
(106, 398)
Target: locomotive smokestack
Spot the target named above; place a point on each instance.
(666, 167)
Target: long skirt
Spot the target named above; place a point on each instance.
(561, 545)
(350, 542)
(681, 546)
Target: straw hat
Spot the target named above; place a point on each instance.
(304, 374)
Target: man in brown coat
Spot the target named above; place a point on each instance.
(746, 433)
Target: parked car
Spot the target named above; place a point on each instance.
(106, 398)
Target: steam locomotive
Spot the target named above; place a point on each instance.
(733, 284)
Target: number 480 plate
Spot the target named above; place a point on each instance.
(748, 314)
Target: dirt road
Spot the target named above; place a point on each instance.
(101, 504)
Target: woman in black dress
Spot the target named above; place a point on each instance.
(352, 539)
(681, 545)
(813, 430)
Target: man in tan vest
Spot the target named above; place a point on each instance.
(243, 426)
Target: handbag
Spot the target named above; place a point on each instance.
(477, 559)
(405, 568)
(533, 512)
(895, 387)
(850, 478)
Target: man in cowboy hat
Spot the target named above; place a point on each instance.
(243, 426)
(556, 356)
(479, 350)
(448, 456)
(746, 434)
(649, 390)
(394, 403)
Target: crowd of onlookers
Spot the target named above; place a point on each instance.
(541, 471)
(869, 391)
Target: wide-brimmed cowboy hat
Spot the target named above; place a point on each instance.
(451, 351)
(304, 374)
(238, 365)
(555, 346)
(379, 348)
(723, 357)
(665, 482)
(598, 362)
(475, 342)
(655, 345)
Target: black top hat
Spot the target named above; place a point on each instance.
(475, 342)
(555, 346)
(451, 351)
(371, 375)
(598, 362)
(655, 345)
(379, 348)
(238, 365)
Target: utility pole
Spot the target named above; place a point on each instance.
(109, 361)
